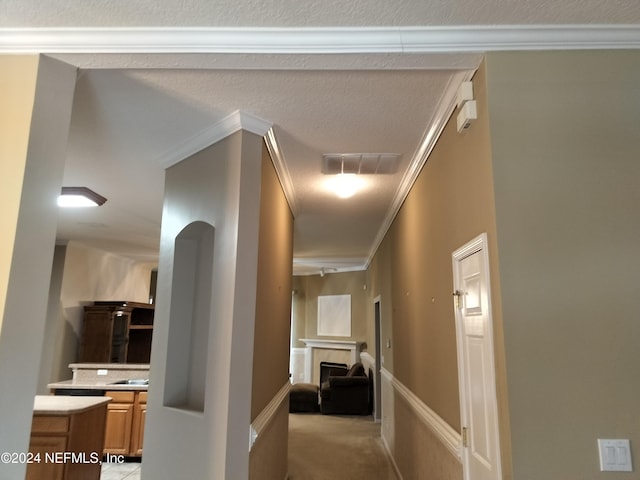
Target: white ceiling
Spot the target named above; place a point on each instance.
(142, 95)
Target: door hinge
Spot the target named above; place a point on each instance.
(465, 437)
(458, 295)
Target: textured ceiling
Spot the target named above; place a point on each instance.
(135, 107)
(312, 13)
(125, 121)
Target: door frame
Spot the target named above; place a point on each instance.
(478, 244)
(377, 392)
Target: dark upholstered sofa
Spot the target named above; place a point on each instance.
(304, 397)
(345, 392)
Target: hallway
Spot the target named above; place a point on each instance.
(336, 447)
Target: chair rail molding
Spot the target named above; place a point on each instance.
(449, 437)
(297, 364)
(265, 417)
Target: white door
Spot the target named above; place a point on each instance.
(481, 449)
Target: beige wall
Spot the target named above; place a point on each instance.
(87, 274)
(564, 130)
(268, 458)
(298, 312)
(450, 204)
(557, 136)
(36, 94)
(17, 95)
(346, 283)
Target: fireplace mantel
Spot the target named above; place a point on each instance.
(353, 346)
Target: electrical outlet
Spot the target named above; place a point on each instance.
(615, 455)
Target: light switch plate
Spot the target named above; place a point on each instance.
(615, 455)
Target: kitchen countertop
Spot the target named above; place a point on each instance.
(104, 376)
(63, 405)
(109, 366)
(95, 385)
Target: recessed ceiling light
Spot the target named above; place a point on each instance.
(79, 197)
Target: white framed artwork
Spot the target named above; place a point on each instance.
(334, 315)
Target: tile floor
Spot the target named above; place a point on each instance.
(120, 471)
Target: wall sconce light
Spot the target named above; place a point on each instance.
(80, 197)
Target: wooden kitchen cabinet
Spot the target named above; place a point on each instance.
(137, 430)
(124, 432)
(66, 426)
(117, 436)
(117, 332)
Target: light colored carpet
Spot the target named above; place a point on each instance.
(329, 447)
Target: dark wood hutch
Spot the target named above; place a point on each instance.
(117, 332)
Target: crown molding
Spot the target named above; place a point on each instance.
(305, 266)
(441, 116)
(426, 39)
(277, 157)
(230, 124)
(241, 120)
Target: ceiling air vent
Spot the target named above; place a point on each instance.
(362, 163)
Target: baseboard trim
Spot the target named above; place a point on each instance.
(449, 437)
(265, 417)
(396, 470)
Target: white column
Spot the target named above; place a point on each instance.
(220, 186)
(36, 94)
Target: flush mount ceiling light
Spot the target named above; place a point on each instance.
(345, 170)
(345, 185)
(79, 197)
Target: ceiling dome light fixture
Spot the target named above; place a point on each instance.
(345, 185)
(79, 197)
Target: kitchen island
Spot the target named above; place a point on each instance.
(67, 438)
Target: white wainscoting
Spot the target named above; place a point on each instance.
(368, 362)
(387, 430)
(449, 437)
(297, 362)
